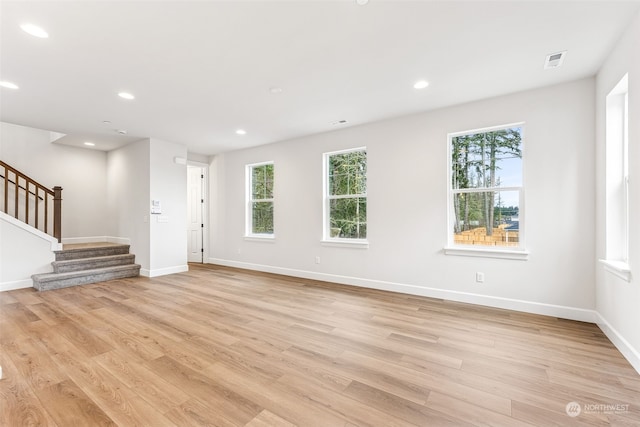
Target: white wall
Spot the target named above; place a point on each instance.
(105, 195)
(618, 301)
(200, 158)
(138, 173)
(407, 206)
(80, 172)
(168, 184)
(23, 252)
(128, 172)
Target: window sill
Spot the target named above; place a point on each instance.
(617, 268)
(270, 238)
(521, 255)
(357, 244)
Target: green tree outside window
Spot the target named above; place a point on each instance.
(347, 194)
(261, 198)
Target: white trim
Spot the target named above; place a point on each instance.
(486, 189)
(487, 252)
(487, 129)
(75, 240)
(345, 151)
(55, 245)
(119, 240)
(521, 190)
(617, 268)
(18, 284)
(564, 312)
(204, 170)
(346, 243)
(616, 176)
(164, 271)
(631, 354)
(266, 238)
(197, 164)
(248, 205)
(326, 197)
(96, 239)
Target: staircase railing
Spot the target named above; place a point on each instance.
(29, 201)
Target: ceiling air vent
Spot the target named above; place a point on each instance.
(554, 60)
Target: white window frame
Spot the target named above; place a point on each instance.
(617, 229)
(508, 252)
(327, 240)
(249, 200)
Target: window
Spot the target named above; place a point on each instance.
(617, 180)
(486, 189)
(260, 179)
(345, 189)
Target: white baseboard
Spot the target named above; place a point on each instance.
(164, 271)
(564, 312)
(119, 240)
(74, 240)
(93, 239)
(18, 284)
(627, 350)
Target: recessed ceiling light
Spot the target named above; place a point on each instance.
(420, 84)
(275, 89)
(241, 132)
(34, 30)
(362, 2)
(126, 95)
(9, 85)
(89, 144)
(106, 122)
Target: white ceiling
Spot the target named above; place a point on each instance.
(200, 70)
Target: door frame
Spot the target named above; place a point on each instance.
(205, 208)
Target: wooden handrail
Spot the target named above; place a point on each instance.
(22, 188)
(39, 192)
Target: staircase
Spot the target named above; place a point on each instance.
(30, 202)
(87, 263)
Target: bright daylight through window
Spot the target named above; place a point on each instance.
(617, 180)
(486, 188)
(260, 180)
(346, 195)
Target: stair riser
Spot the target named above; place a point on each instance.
(84, 280)
(90, 264)
(82, 266)
(91, 252)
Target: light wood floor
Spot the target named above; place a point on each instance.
(225, 347)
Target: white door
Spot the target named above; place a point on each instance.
(195, 209)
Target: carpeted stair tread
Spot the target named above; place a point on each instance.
(91, 252)
(89, 263)
(92, 263)
(48, 281)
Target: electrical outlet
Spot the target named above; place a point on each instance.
(479, 277)
(317, 260)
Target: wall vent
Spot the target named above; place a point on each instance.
(554, 60)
